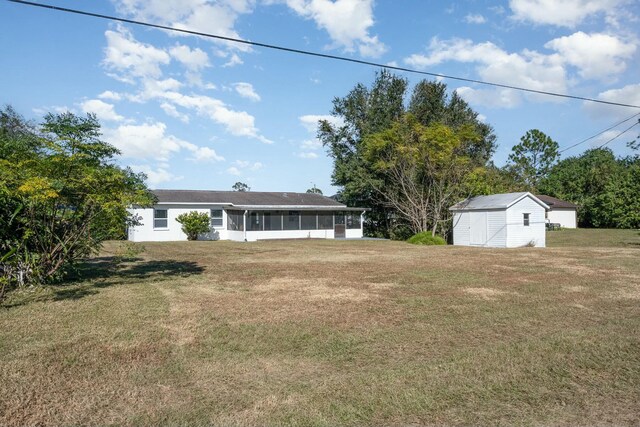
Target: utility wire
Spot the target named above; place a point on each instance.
(316, 54)
(598, 134)
(621, 133)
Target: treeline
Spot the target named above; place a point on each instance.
(61, 195)
(410, 161)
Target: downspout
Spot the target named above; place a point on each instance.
(362, 224)
(244, 224)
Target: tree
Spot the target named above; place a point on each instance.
(366, 111)
(604, 188)
(62, 195)
(194, 223)
(314, 190)
(532, 159)
(425, 169)
(241, 186)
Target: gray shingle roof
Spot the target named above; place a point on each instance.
(245, 198)
(555, 203)
(493, 201)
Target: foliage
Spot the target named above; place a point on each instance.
(604, 188)
(314, 190)
(194, 223)
(367, 111)
(240, 186)
(424, 168)
(61, 195)
(532, 159)
(426, 238)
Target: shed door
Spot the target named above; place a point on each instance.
(478, 228)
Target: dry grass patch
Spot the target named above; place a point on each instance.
(330, 333)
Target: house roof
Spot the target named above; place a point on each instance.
(556, 203)
(494, 201)
(249, 199)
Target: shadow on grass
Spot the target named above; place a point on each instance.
(103, 272)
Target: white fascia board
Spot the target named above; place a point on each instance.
(534, 198)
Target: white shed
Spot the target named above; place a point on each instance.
(500, 221)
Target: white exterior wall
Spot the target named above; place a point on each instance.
(147, 233)
(566, 217)
(496, 228)
(520, 235)
(461, 228)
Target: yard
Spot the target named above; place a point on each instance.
(318, 332)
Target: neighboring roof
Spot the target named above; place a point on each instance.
(247, 199)
(494, 201)
(556, 203)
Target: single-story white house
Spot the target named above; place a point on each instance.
(500, 221)
(560, 212)
(247, 216)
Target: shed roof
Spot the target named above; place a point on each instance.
(556, 203)
(247, 199)
(494, 201)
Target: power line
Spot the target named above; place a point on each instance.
(621, 133)
(316, 54)
(598, 134)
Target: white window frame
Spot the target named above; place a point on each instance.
(166, 219)
(526, 219)
(213, 219)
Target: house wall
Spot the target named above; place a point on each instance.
(147, 233)
(520, 235)
(496, 228)
(566, 217)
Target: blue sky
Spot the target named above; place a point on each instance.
(198, 114)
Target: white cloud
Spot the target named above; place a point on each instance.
(104, 111)
(346, 21)
(308, 155)
(475, 19)
(310, 121)
(193, 59)
(595, 55)
(629, 94)
(246, 90)
(112, 96)
(206, 16)
(234, 171)
(156, 176)
(565, 13)
(525, 69)
(172, 111)
(149, 141)
(311, 144)
(129, 59)
(244, 164)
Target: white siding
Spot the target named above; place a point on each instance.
(566, 217)
(461, 228)
(496, 228)
(517, 233)
(173, 232)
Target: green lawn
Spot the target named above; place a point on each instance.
(320, 332)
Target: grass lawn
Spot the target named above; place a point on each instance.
(318, 332)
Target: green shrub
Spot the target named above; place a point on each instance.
(425, 238)
(194, 223)
(400, 232)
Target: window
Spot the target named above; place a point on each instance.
(339, 216)
(309, 221)
(273, 220)
(216, 217)
(325, 221)
(235, 220)
(255, 221)
(525, 219)
(160, 218)
(353, 220)
(292, 221)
